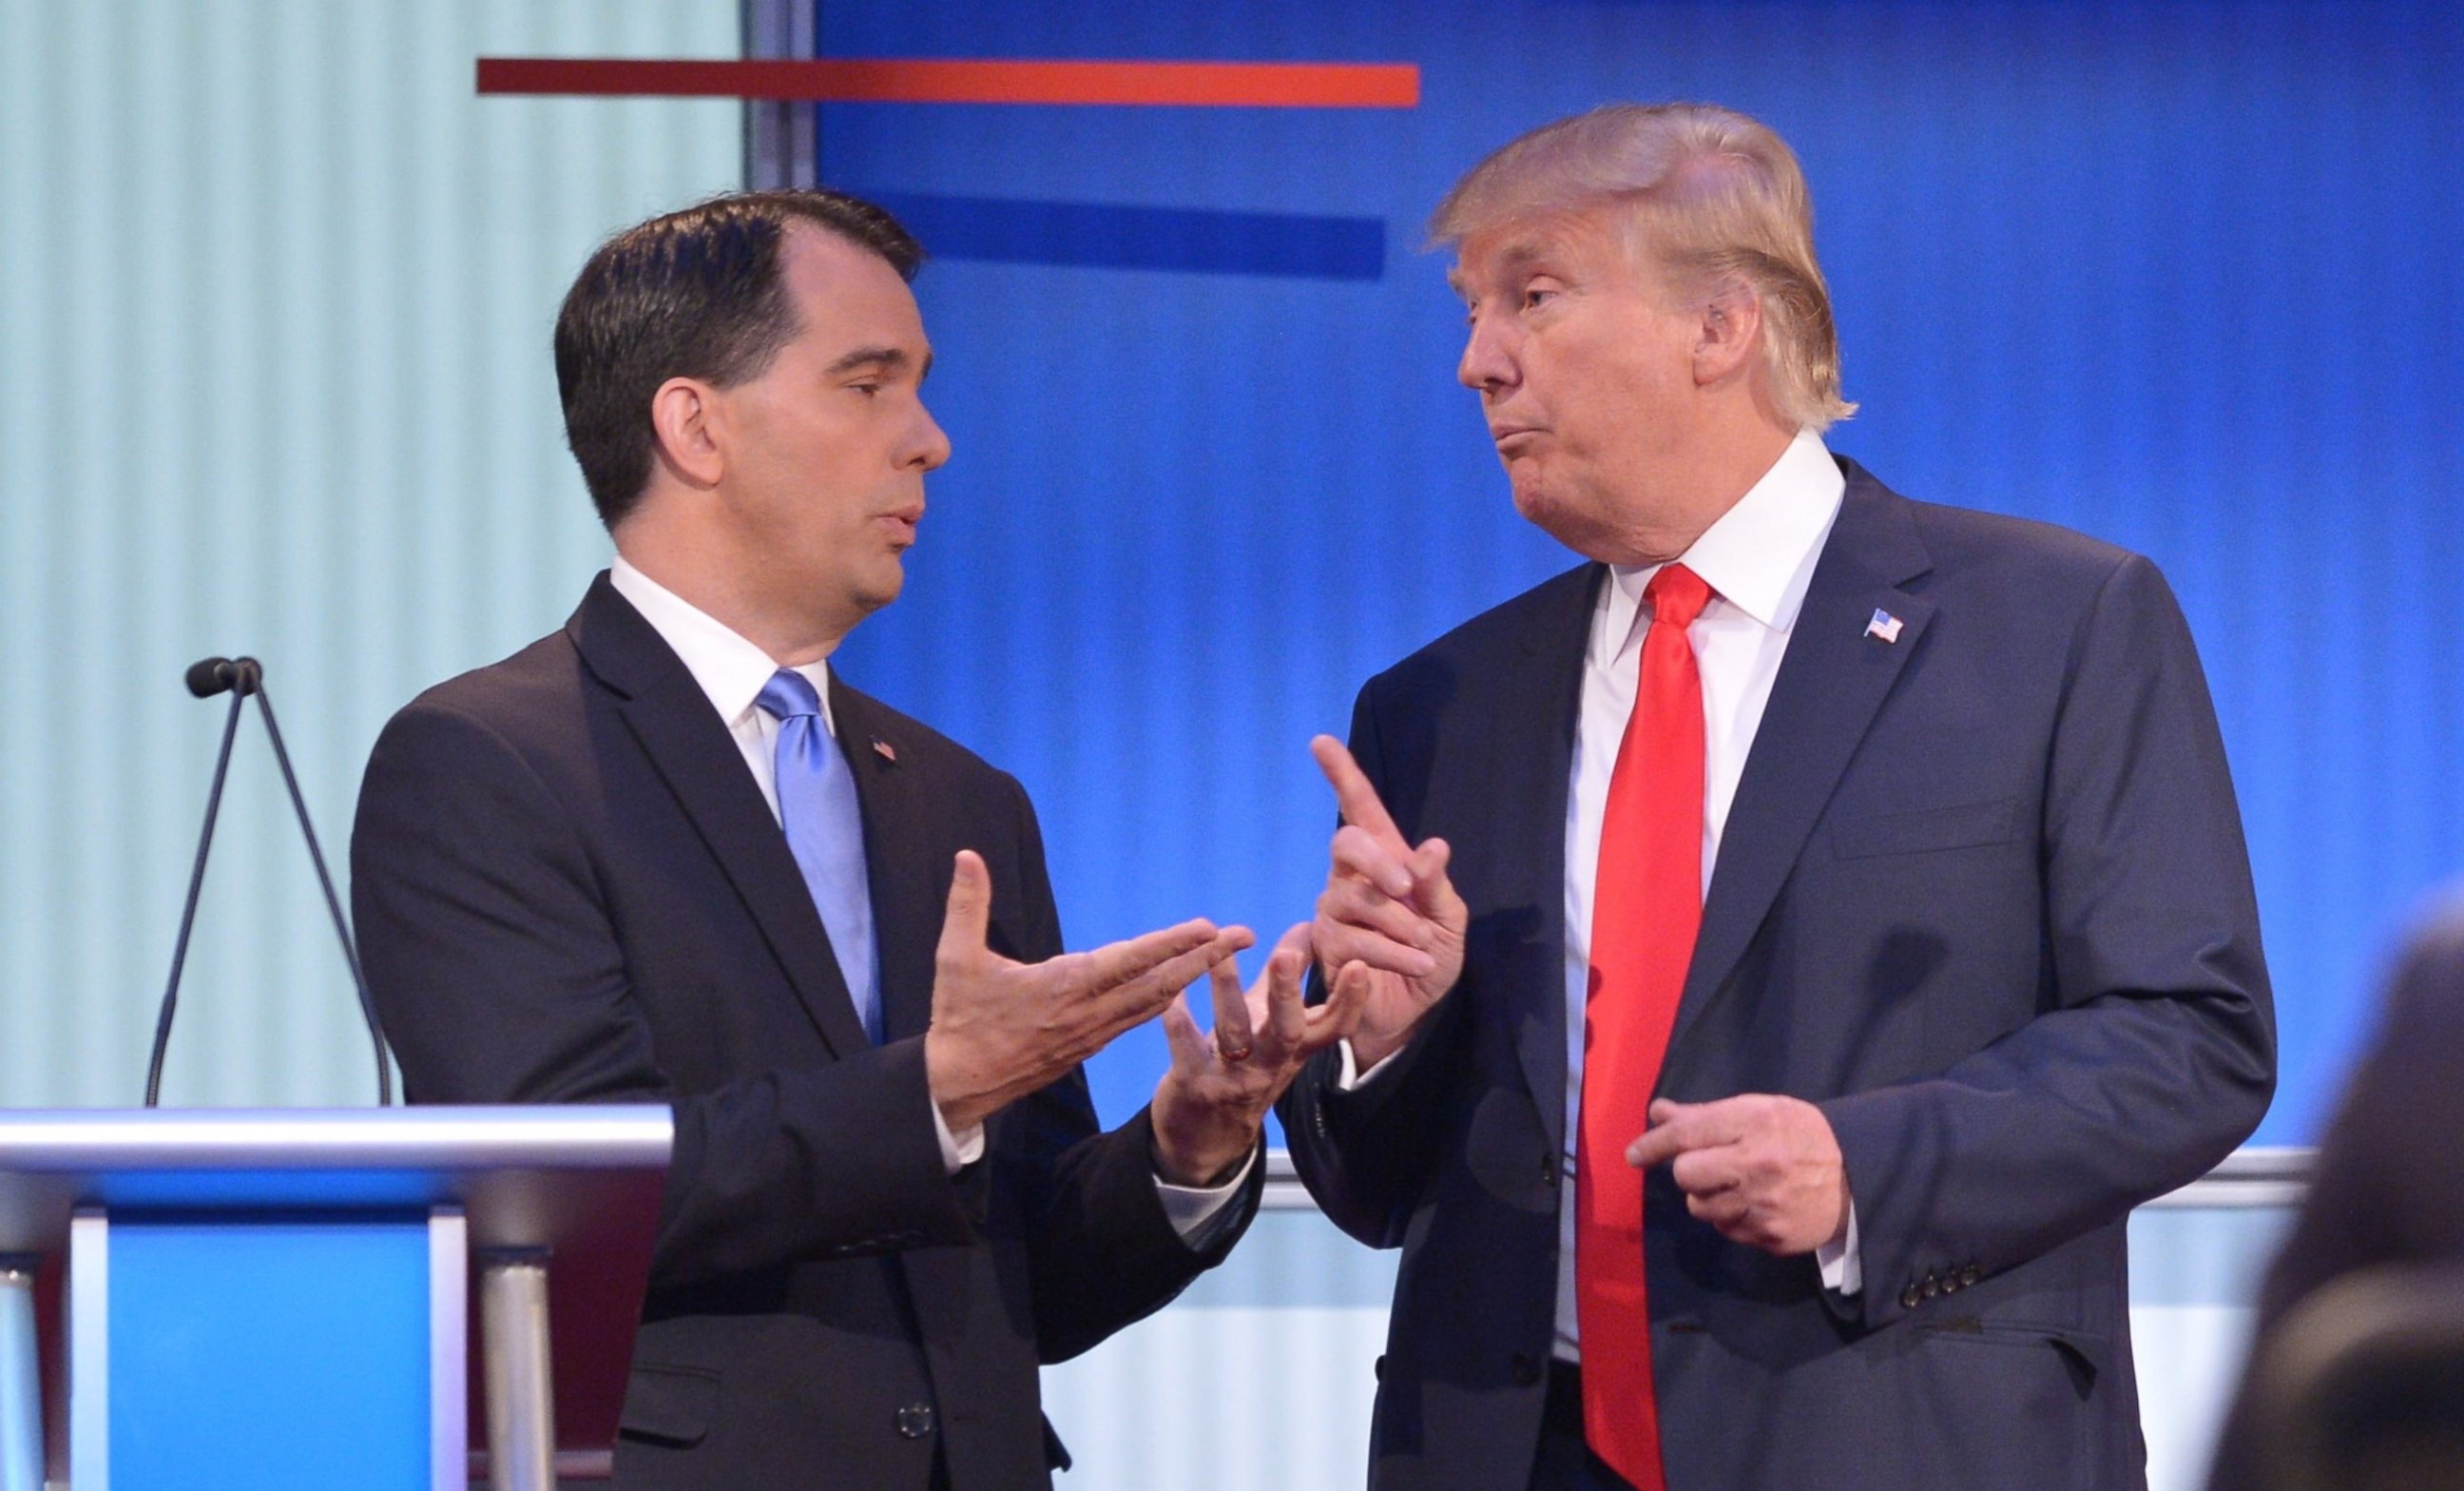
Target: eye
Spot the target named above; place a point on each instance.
(867, 389)
(1536, 295)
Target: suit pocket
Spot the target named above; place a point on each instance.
(2011, 1402)
(2083, 1356)
(670, 1405)
(1923, 832)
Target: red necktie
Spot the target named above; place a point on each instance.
(1647, 905)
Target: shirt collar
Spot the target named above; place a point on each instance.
(1759, 556)
(731, 668)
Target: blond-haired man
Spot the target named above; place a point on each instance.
(1797, 937)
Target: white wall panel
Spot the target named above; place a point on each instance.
(276, 289)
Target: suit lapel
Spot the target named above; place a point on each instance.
(1831, 682)
(1535, 721)
(688, 744)
(908, 874)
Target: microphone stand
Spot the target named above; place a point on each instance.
(244, 676)
(188, 912)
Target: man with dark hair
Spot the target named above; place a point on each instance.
(1800, 933)
(667, 855)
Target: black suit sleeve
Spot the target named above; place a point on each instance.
(2153, 1054)
(1367, 1154)
(491, 954)
(1101, 1251)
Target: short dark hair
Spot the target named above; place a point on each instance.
(696, 294)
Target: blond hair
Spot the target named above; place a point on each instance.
(1713, 198)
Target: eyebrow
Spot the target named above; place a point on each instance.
(1512, 259)
(888, 359)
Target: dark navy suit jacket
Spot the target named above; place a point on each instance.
(568, 889)
(1982, 896)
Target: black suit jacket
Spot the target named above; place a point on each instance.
(568, 889)
(1982, 896)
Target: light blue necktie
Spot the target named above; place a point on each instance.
(824, 828)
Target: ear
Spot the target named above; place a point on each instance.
(682, 415)
(1729, 334)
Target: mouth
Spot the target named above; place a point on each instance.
(902, 522)
(1515, 439)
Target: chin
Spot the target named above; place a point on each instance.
(1546, 510)
(885, 586)
(1570, 522)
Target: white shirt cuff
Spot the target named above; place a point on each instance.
(1198, 1212)
(1351, 1076)
(957, 1150)
(1842, 1270)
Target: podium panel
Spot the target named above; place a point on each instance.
(278, 1300)
(288, 1355)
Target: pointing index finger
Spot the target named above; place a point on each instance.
(1115, 964)
(1353, 793)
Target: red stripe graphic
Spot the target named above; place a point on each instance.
(1284, 85)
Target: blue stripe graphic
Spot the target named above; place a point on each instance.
(1098, 236)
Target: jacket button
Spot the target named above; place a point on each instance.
(1377, 1368)
(1522, 1369)
(1910, 1299)
(1970, 1274)
(1932, 1284)
(1548, 1169)
(915, 1421)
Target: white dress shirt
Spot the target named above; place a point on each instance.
(732, 671)
(1758, 559)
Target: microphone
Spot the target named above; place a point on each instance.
(211, 676)
(242, 678)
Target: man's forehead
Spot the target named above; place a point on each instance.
(1510, 248)
(852, 296)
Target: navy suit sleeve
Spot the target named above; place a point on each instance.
(499, 978)
(1366, 1155)
(2152, 1053)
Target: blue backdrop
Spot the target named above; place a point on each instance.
(2183, 275)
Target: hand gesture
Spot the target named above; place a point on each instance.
(1387, 907)
(1210, 1106)
(1765, 1171)
(1002, 1029)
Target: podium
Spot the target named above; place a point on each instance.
(269, 1299)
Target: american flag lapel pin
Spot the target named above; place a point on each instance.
(883, 749)
(1884, 625)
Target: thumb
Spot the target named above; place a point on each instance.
(963, 928)
(1433, 888)
(1666, 1137)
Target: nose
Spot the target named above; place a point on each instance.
(929, 448)
(1487, 360)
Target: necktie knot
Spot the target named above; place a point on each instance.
(789, 694)
(1677, 596)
